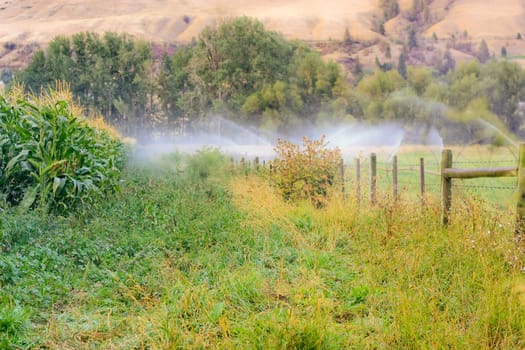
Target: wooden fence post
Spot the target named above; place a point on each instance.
(342, 173)
(373, 177)
(422, 179)
(446, 187)
(520, 207)
(256, 163)
(394, 177)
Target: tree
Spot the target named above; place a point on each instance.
(107, 74)
(233, 60)
(382, 28)
(427, 16)
(483, 52)
(383, 66)
(504, 84)
(357, 68)
(412, 39)
(347, 38)
(401, 66)
(390, 8)
(381, 84)
(36, 74)
(173, 83)
(444, 63)
(243, 72)
(388, 53)
(419, 79)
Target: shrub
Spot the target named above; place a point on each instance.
(305, 172)
(50, 157)
(206, 163)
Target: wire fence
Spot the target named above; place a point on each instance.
(421, 178)
(485, 178)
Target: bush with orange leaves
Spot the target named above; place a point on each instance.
(307, 171)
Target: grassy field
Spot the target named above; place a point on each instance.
(192, 254)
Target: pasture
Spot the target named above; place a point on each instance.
(195, 253)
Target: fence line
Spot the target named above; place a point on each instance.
(447, 173)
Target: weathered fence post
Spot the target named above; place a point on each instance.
(422, 179)
(373, 177)
(520, 208)
(256, 163)
(446, 187)
(358, 180)
(394, 177)
(342, 173)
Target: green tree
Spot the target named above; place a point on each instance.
(401, 66)
(504, 84)
(419, 79)
(347, 38)
(381, 84)
(412, 39)
(173, 82)
(36, 74)
(235, 59)
(382, 28)
(445, 63)
(244, 72)
(108, 74)
(483, 53)
(390, 8)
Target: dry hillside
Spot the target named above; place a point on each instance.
(27, 24)
(179, 20)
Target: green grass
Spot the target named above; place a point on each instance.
(194, 256)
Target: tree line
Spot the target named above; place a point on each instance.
(241, 71)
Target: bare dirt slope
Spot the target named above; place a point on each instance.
(25, 21)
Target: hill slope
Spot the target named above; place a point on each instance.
(27, 24)
(179, 20)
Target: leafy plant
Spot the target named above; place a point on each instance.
(13, 323)
(51, 158)
(305, 172)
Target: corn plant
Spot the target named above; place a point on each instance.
(51, 159)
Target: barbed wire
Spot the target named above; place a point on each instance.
(485, 161)
(485, 187)
(419, 184)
